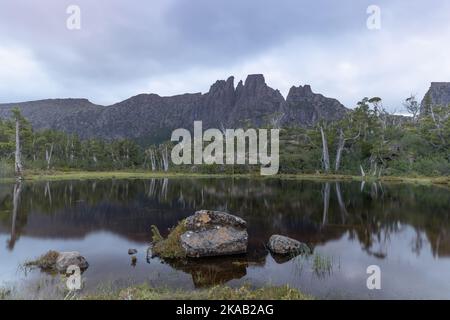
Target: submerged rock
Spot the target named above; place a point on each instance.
(214, 233)
(283, 245)
(66, 259)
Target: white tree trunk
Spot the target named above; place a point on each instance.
(363, 174)
(48, 156)
(165, 158)
(325, 154)
(340, 148)
(18, 168)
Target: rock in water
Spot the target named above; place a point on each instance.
(66, 259)
(284, 245)
(132, 251)
(214, 233)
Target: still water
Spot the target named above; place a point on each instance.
(404, 229)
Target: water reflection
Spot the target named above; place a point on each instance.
(320, 214)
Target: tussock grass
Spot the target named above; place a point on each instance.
(170, 247)
(5, 293)
(45, 262)
(322, 265)
(145, 292)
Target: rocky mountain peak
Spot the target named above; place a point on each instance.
(437, 94)
(305, 106)
(254, 82)
(222, 86)
(299, 92)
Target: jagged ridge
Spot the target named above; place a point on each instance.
(150, 116)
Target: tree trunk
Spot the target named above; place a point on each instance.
(165, 158)
(325, 154)
(48, 156)
(18, 155)
(363, 174)
(340, 148)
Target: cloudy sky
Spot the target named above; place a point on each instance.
(127, 47)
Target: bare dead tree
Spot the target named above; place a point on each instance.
(153, 159)
(412, 106)
(18, 167)
(341, 145)
(363, 174)
(48, 155)
(325, 153)
(165, 157)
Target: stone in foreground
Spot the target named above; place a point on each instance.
(283, 245)
(66, 259)
(214, 233)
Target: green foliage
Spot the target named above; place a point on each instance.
(380, 143)
(50, 149)
(6, 169)
(170, 247)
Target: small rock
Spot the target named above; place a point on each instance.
(66, 259)
(283, 245)
(132, 251)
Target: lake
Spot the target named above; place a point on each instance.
(402, 228)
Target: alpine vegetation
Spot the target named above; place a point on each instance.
(241, 147)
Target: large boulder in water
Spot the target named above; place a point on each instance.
(287, 246)
(214, 233)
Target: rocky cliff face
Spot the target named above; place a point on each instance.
(305, 107)
(150, 116)
(437, 95)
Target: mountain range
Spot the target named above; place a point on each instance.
(150, 117)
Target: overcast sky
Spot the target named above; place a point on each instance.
(127, 47)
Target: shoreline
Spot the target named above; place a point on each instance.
(105, 175)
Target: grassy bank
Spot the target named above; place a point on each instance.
(101, 175)
(145, 292)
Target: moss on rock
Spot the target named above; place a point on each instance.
(170, 247)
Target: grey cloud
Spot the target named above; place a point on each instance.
(129, 44)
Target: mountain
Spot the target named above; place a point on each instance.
(437, 95)
(152, 117)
